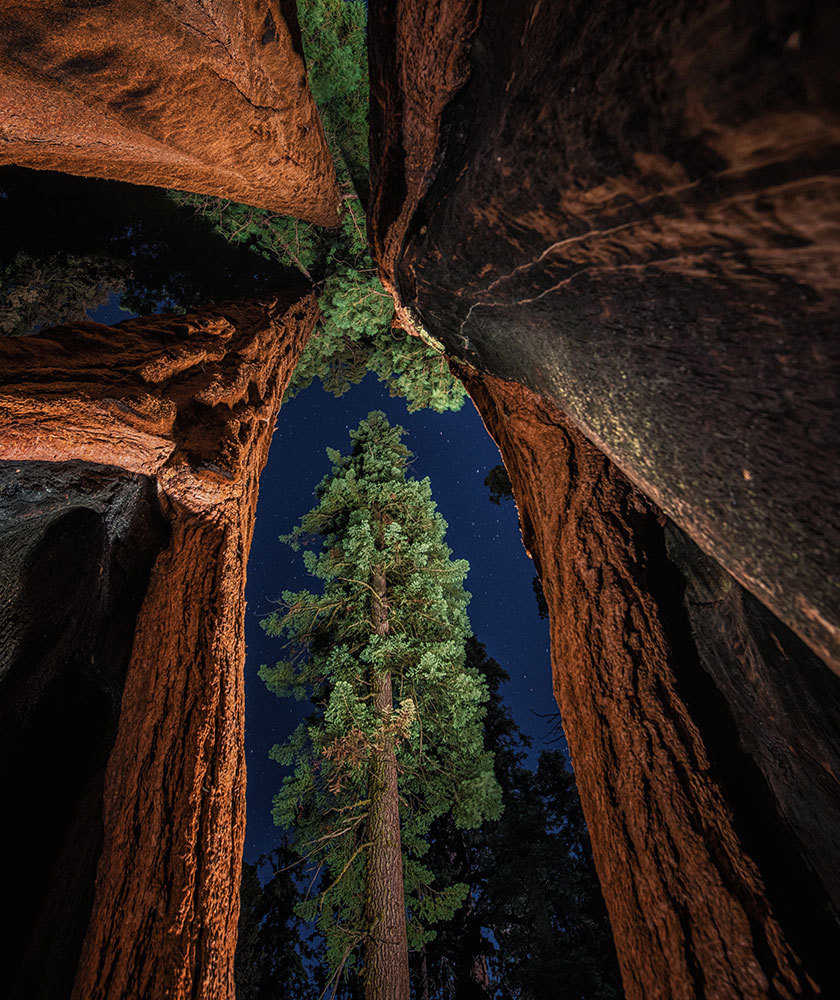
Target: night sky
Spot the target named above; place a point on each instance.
(456, 453)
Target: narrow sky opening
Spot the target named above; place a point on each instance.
(455, 451)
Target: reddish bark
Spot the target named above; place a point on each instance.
(631, 211)
(190, 401)
(198, 97)
(689, 901)
(634, 210)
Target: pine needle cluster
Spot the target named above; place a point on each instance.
(372, 515)
(355, 333)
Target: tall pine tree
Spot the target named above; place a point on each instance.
(396, 740)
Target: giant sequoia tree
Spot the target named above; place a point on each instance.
(355, 334)
(396, 739)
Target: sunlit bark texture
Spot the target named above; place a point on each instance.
(129, 461)
(201, 97)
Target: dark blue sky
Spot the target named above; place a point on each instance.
(455, 452)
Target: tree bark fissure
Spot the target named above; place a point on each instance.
(386, 949)
(695, 911)
(190, 405)
(526, 250)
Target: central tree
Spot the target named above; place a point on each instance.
(397, 737)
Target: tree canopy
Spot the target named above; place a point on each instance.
(271, 954)
(355, 333)
(376, 541)
(534, 926)
(68, 243)
(76, 242)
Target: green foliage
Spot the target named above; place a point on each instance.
(539, 596)
(370, 514)
(335, 46)
(498, 482)
(534, 926)
(354, 334)
(278, 238)
(342, 351)
(38, 292)
(77, 239)
(271, 951)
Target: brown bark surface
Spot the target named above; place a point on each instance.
(386, 946)
(635, 211)
(697, 904)
(190, 401)
(77, 544)
(200, 97)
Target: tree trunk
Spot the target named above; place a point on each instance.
(171, 94)
(735, 442)
(185, 409)
(386, 951)
(696, 835)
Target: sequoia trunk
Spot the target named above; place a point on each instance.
(386, 950)
(132, 456)
(706, 858)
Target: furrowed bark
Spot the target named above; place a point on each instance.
(172, 416)
(386, 950)
(701, 862)
(657, 257)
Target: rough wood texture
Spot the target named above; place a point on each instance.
(703, 866)
(77, 544)
(784, 705)
(386, 973)
(190, 401)
(634, 209)
(201, 97)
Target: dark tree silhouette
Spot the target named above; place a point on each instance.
(271, 947)
(534, 926)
